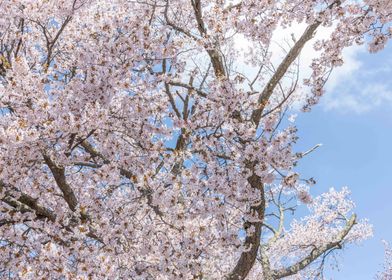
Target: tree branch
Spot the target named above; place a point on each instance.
(283, 67)
(25, 203)
(59, 176)
(189, 87)
(281, 71)
(252, 241)
(314, 254)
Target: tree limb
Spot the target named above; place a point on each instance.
(314, 254)
(283, 67)
(252, 241)
(59, 176)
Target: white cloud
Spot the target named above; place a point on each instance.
(359, 99)
(348, 69)
(360, 86)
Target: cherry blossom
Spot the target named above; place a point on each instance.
(132, 147)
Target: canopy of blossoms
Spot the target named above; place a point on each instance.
(132, 146)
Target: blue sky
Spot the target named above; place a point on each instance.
(354, 123)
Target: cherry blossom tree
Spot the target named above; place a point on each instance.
(387, 273)
(133, 145)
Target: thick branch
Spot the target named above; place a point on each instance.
(215, 56)
(196, 5)
(252, 241)
(59, 176)
(217, 62)
(283, 67)
(26, 203)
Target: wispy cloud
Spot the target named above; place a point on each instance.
(362, 84)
